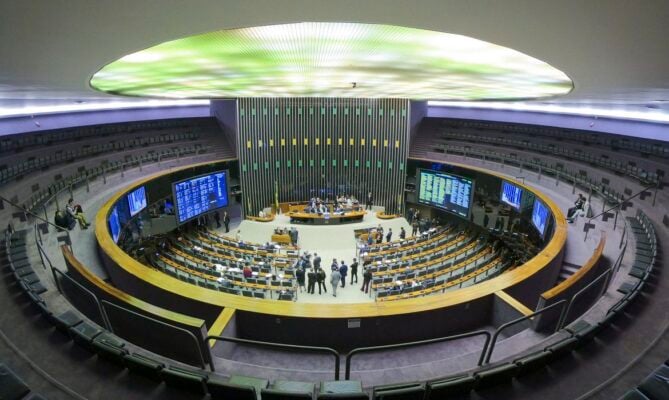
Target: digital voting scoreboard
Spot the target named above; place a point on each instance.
(448, 192)
(199, 195)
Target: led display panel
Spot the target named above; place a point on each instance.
(114, 224)
(511, 194)
(540, 215)
(448, 192)
(196, 196)
(330, 59)
(137, 200)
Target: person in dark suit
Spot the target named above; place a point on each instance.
(317, 261)
(311, 281)
(389, 236)
(366, 279)
(217, 218)
(299, 274)
(320, 277)
(226, 221)
(354, 271)
(343, 271)
(403, 233)
(369, 201)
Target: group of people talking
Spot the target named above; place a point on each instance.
(310, 272)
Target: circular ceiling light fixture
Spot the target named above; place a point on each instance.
(324, 59)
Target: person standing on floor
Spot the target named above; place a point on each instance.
(226, 221)
(217, 219)
(335, 277)
(366, 279)
(320, 277)
(317, 262)
(403, 233)
(343, 271)
(299, 274)
(369, 201)
(334, 265)
(389, 236)
(311, 280)
(354, 271)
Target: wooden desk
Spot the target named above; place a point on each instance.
(332, 219)
(283, 238)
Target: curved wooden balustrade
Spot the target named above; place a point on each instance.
(578, 279)
(133, 271)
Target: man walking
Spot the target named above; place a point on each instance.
(217, 218)
(389, 236)
(335, 277)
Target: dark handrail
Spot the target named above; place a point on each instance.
(618, 204)
(56, 271)
(418, 343)
(58, 228)
(284, 346)
(565, 316)
(203, 364)
(521, 319)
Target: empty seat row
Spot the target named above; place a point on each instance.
(87, 174)
(602, 161)
(644, 147)
(177, 127)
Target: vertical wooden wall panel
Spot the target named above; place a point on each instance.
(322, 147)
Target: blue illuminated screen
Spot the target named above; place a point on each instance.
(449, 192)
(137, 200)
(540, 216)
(199, 195)
(114, 224)
(511, 194)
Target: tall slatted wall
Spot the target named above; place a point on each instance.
(295, 149)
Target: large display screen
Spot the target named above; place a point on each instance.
(511, 194)
(114, 224)
(196, 196)
(449, 192)
(540, 216)
(137, 200)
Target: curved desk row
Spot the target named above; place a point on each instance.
(343, 325)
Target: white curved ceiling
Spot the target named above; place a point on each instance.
(616, 51)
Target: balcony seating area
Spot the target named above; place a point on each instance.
(643, 160)
(76, 156)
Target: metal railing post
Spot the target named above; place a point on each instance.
(355, 351)
(284, 346)
(46, 217)
(203, 364)
(563, 321)
(499, 330)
